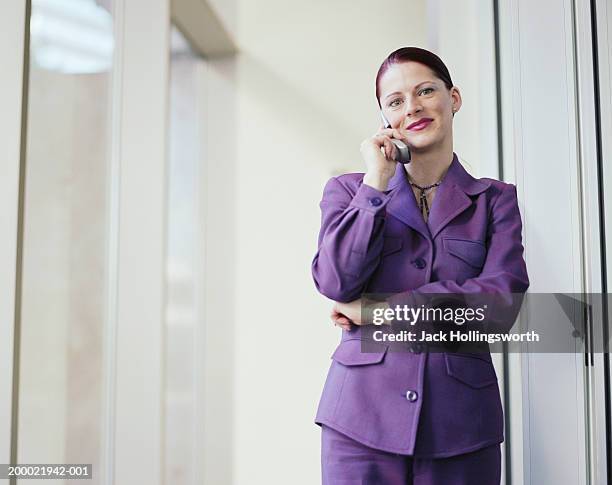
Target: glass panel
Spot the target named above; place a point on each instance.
(181, 311)
(61, 386)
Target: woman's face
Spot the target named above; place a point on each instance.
(410, 92)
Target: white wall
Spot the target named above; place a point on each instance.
(462, 33)
(541, 145)
(12, 26)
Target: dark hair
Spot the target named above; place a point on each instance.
(414, 54)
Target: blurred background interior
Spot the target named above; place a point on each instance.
(163, 161)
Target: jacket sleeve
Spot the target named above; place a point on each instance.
(503, 279)
(350, 239)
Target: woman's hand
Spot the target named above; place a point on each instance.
(347, 314)
(379, 154)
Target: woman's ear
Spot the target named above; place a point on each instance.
(455, 99)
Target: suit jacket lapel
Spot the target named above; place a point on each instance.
(453, 195)
(448, 203)
(451, 199)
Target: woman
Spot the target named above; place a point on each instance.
(428, 226)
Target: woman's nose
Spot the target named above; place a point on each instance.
(412, 106)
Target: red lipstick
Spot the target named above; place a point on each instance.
(420, 124)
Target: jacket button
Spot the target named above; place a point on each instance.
(419, 263)
(411, 396)
(375, 201)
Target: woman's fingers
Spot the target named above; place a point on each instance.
(389, 148)
(392, 133)
(393, 154)
(341, 320)
(387, 132)
(345, 324)
(381, 139)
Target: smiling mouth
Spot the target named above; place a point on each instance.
(420, 125)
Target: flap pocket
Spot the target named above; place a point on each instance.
(349, 352)
(474, 370)
(391, 245)
(472, 252)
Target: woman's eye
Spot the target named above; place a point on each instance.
(426, 91)
(395, 103)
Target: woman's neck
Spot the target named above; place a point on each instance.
(428, 168)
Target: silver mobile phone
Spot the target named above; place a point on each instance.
(403, 152)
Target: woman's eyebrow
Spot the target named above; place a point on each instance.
(398, 92)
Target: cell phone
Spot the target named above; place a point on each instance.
(403, 152)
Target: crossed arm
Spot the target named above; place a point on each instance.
(350, 244)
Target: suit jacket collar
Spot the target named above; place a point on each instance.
(451, 199)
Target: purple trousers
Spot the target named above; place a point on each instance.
(345, 461)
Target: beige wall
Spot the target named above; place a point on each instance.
(305, 100)
(64, 274)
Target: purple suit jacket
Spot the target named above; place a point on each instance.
(423, 404)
